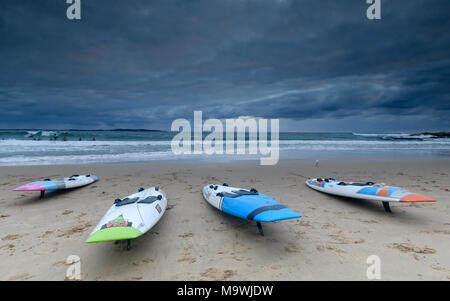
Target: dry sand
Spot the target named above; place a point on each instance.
(194, 241)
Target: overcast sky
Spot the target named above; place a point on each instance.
(318, 65)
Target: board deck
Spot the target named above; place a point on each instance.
(130, 217)
(244, 204)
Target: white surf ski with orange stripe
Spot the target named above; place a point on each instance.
(366, 191)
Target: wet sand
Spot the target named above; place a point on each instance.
(194, 241)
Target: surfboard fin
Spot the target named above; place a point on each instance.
(386, 206)
(42, 194)
(260, 229)
(128, 244)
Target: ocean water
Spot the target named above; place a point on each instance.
(46, 147)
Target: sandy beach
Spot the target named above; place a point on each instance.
(194, 241)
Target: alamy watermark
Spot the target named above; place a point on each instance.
(235, 141)
(374, 9)
(374, 269)
(73, 11)
(73, 271)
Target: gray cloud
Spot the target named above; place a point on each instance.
(142, 64)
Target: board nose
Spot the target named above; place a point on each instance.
(206, 188)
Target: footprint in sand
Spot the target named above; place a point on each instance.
(75, 230)
(216, 274)
(303, 223)
(327, 226)
(409, 248)
(441, 269)
(8, 246)
(322, 248)
(45, 234)
(23, 276)
(291, 248)
(12, 237)
(147, 260)
(185, 235)
(59, 263)
(220, 229)
(416, 257)
(369, 221)
(276, 267)
(186, 256)
(342, 239)
(436, 232)
(187, 259)
(81, 215)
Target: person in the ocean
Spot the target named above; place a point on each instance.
(79, 139)
(93, 139)
(64, 138)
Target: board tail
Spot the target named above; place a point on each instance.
(113, 234)
(415, 197)
(272, 215)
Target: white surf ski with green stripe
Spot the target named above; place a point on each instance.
(131, 217)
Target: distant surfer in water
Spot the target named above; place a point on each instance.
(64, 138)
(93, 139)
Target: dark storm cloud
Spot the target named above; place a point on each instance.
(140, 64)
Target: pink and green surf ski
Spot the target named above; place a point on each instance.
(56, 184)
